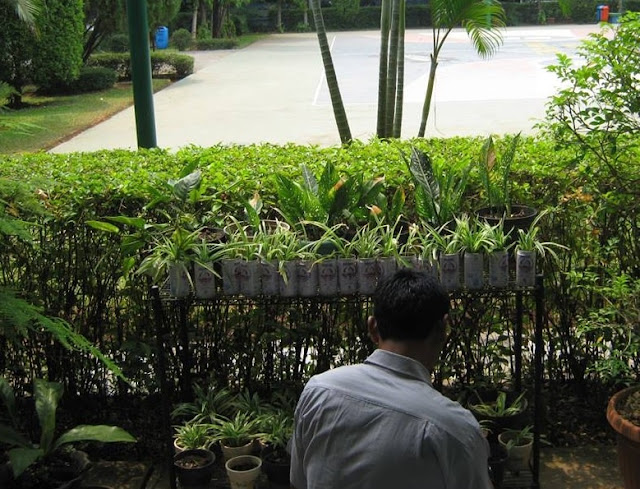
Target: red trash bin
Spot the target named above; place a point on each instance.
(604, 14)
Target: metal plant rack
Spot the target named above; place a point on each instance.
(172, 317)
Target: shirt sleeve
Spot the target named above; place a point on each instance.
(464, 463)
(297, 446)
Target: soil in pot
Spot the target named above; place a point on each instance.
(194, 467)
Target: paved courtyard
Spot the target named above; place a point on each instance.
(274, 90)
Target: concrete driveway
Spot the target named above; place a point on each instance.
(274, 90)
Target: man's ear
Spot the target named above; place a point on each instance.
(372, 326)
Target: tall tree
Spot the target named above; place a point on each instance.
(58, 55)
(330, 74)
(391, 69)
(101, 19)
(16, 48)
(483, 21)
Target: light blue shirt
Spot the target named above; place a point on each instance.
(382, 425)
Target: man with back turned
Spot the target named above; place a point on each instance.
(381, 424)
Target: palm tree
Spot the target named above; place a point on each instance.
(483, 21)
(330, 74)
(25, 9)
(391, 69)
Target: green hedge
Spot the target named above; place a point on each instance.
(74, 271)
(163, 64)
(214, 44)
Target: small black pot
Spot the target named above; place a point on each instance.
(277, 465)
(497, 463)
(194, 467)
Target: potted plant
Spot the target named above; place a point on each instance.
(495, 175)
(204, 276)
(235, 434)
(498, 254)
(243, 470)
(519, 444)
(276, 430)
(367, 246)
(52, 462)
(528, 246)
(192, 435)
(623, 414)
(172, 255)
(497, 463)
(194, 467)
(448, 250)
(346, 263)
(438, 194)
(238, 276)
(501, 413)
(473, 241)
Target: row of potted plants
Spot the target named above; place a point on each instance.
(280, 262)
(503, 418)
(250, 434)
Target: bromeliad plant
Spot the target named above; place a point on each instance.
(330, 199)
(438, 193)
(23, 453)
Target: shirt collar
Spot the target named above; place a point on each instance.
(399, 364)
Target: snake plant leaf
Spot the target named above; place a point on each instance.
(421, 169)
(101, 433)
(47, 395)
(21, 458)
(309, 179)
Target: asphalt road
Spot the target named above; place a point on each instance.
(274, 90)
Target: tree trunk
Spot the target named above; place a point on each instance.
(392, 70)
(427, 101)
(330, 74)
(194, 20)
(385, 19)
(279, 17)
(217, 18)
(397, 120)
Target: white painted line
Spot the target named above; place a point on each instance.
(322, 77)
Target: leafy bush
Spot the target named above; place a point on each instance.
(58, 54)
(94, 78)
(181, 39)
(213, 44)
(116, 43)
(163, 63)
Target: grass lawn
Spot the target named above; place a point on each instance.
(53, 120)
(57, 119)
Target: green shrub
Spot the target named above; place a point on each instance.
(213, 44)
(94, 78)
(116, 43)
(163, 64)
(181, 39)
(58, 55)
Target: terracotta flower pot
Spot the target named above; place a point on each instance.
(628, 439)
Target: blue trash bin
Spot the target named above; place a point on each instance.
(599, 13)
(162, 37)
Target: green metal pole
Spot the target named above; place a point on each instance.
(141, 73)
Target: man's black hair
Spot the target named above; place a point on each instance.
(408, 305)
